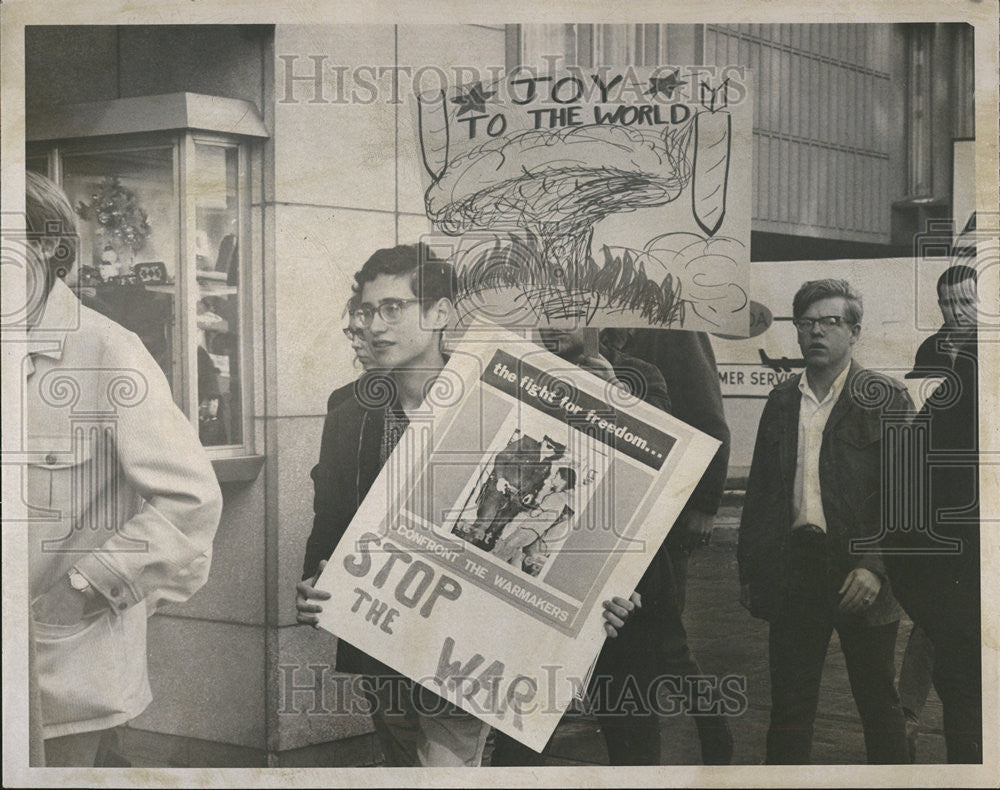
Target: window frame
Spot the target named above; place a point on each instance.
(184, 359)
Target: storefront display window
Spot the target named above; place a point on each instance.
(163, 222)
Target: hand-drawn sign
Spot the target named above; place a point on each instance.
(612, 197)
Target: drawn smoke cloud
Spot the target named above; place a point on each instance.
(706, 271)
(556, 184)
(576, 175)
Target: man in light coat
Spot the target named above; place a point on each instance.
(123, 499)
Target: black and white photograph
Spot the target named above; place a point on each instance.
(338, 337)
(522, 504)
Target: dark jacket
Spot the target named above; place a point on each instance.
(850, 474)
(349, 462)
(941, 589)
(687, 364)
(646, 639)
(642, 378)
(932, 357)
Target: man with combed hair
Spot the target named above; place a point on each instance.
(404, 302)
(814, 491)
(131, 501)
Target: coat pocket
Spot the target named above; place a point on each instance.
(79, 669)
(855, 510)
(71, 486)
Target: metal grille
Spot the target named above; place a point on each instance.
(821, 125)
(965, 62)
(918, 110)
(821, 114)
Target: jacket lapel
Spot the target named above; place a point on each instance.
(790, 447)
(843, 404)
(789, 400)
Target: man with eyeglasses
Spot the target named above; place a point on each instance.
(363, 356)
(404, 302)
(814, 486)
(355, 334)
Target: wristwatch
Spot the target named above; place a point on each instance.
(79, 583)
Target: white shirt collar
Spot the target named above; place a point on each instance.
(835, 388)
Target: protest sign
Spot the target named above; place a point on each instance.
(609, 197)
(530, 492)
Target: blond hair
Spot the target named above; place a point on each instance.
(50, 218)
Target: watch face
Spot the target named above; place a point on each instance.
(77, 582)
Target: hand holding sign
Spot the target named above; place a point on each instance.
(306, 612)
(617, 611)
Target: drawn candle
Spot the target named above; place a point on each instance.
(712, 132)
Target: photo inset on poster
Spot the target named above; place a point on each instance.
(527, 495)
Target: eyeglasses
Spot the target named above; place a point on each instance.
(824, 321)
(391, 311)
(353, 332)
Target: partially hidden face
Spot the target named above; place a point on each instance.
(363, 351)
(959, 304)
(360, 344)
(563, 342)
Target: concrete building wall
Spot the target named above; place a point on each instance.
(82, 63)
(333, 206)
(207, 655)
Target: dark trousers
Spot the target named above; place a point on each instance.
(799, 637)
(714, 734)
(650, 648)
(943, 598)
(958, 680)
(617, 696)
(915, 673)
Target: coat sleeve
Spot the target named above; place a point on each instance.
(332, 511)
(159, 456)
(644, 380)
(656, 389)
(755, 518)
(687, 362)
